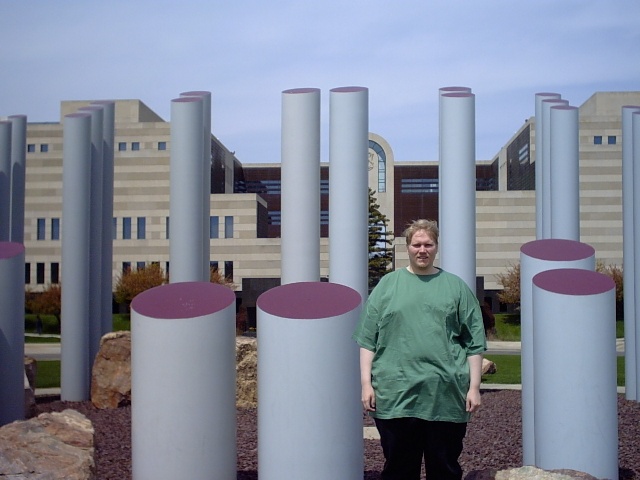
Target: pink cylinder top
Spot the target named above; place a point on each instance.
(574, 281)
(309, 300)
(557, 250)
(10, 249)
(301, 90)
(183, 300)
(195, 93)
(348, 89)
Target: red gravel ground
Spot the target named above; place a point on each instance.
(493, 438)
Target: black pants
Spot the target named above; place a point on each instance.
(405, 441)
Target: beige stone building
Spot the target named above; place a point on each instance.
(245, 201)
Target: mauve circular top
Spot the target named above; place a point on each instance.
(10, 249)
(348, 89)
(458, 94)
(195, 93)
(309, 300)
(301, 90)
(574, 281)
(556, 249)
(183, 300)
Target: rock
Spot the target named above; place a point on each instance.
(246, 372)
(527, 473)
(30, 371)
(52, 446)
(488, 367)
(111, 373)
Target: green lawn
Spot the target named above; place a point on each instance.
(508, 327)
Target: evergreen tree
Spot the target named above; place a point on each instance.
(380, 242)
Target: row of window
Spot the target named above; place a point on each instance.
(54, 271)
(141, 231)
(275, 217)
(611, 139)
(122, 147)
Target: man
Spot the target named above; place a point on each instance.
(421, 340)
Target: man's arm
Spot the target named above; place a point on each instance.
(368, 395)
(475, 374)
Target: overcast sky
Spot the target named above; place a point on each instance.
(246, 52)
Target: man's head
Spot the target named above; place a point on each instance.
(429, 226)
(422, 246)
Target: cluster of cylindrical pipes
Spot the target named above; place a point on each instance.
(87, 242)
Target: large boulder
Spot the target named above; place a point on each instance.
(111, 373)
(527, 473)
(30, 372)
(52, 446)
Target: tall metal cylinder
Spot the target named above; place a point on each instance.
(11, 332)
(565, 173)
(5, 181)
(18, 172)
(576, 420)
(76, 180)
(206, 176)
(629, 247)
(547, 213)
(300, 174)
(106, 261)
(185, 179)
(539, 158)
(349, 188)
(95, 229)
(308, 381)
(535, 257)
(183, 381)
(636, 239)
(457, 173)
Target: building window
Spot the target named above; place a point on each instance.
(611, 140)
(228, 270)
(381, 157)
(55, 273)
(55, 229)
(31, 148)
(597, 140)
(324, 217)
(114, 228)
(213, 227)
(419, 185)
(126, 267)
(140, 265)
(166, 227)
(228, 227)
(142, 228)
(122, 146)
(162, 145)
(40, 273)
(166, 268)
(213, 265)
(44, 148)
(275, 217)
(40, 229)
(27, 273)
(126, 228)
(135, 146)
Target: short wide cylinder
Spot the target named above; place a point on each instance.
(309, 411)
(576, 422)
(183, 416)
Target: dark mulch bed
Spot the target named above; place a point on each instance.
(493, 438)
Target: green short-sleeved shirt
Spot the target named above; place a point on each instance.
(421, 329)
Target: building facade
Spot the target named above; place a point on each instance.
(245, 199)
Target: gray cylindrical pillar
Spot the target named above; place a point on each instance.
(11, 332)
(18, 171)
(5, 181)
(546, 163)
(565, 173)
(206, 177)
(304, 388)
(300, 174)
(535, 257)
(183, 382)
(76, 180)
(106, 261)
(636, 239)
(539, 158)
(349, 188)
(628, 252)
(457, 173)
(95, 229)
(185, 202)
(576, 420)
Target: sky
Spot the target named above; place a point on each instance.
(247, 52)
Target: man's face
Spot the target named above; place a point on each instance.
(422, 252)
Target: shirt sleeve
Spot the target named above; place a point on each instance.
(472, 331)
(366, 332)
